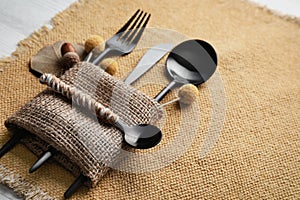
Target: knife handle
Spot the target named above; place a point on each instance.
(165, 91)
(75, 185)
(15, 139)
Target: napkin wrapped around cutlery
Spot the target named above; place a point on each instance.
(84, 143)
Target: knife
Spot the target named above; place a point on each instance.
(151, 57)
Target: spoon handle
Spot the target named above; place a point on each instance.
(79, 98)
(165, 91)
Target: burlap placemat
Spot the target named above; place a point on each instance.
(257, 151)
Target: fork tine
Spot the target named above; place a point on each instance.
(139, 26)
(128, 22)
(126, 33)
(136, 20)
(119, 44)
(139, 34)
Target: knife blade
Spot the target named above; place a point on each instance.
(150, 58)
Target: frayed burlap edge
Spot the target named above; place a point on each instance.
(21, 186)
(34, 37)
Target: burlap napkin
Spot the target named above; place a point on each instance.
(84, 143)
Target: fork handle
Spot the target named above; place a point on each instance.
(101, 56)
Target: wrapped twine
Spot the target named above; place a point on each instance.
(84, 143)
(79, 97)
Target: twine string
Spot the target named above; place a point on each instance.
(79, 97)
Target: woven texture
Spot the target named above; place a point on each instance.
(77, 134)
(257, 153)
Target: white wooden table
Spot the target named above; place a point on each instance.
(19, 18)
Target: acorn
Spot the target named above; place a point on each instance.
(67, 47)
(49, 58)
(92, 42)
(187, 94)
(109, 65)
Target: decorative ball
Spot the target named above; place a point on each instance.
(69, 59)
(188, 94)
(109, 65)
(92, 42)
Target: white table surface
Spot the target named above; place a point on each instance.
(19, 18)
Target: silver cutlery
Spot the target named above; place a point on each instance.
(75, 185)
(149, 59)
(15, 139)
(125, 40)
(192, 61)
(43, 158)
(140, 136)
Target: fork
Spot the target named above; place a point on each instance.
(125, 40)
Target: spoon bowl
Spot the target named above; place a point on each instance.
(192, 61)
(142, 136)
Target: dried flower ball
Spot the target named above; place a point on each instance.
(92, 42)
(110, 66)
(188, 94)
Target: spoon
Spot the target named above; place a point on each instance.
(134, 76)
(141, 136)
(192, 61)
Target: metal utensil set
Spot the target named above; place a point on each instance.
(193, 61)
